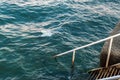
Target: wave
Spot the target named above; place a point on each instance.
(24, 29)
(29, 2)
(102, 9)
(35, 30)
(40, 2)
(6, 16)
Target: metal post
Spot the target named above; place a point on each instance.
(73, 58)
(72, 66)
(109, 51)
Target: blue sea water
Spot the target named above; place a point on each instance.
(32, 31)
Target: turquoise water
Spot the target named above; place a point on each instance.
(32, 31)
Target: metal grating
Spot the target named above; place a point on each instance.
(104, 72)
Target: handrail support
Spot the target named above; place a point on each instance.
(109, 51)
(73, 58)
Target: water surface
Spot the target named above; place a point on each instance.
(32, 31)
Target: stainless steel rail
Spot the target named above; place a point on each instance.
(90, 44)
(111, 78)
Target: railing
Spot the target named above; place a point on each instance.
(93, 43)
(111, 78)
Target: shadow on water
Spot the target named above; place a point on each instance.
(72, 73)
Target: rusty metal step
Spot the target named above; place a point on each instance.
(104, 72)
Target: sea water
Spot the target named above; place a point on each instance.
(32, 31)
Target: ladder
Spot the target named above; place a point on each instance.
(98, 73)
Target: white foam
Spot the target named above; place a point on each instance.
(6, 49)
(100, 9)
(47, 32)
(25, 29)
(5, 16)
(28, 2)
(105, 9)
(3, 60)
(83, 0)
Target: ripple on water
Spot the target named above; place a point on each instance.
(32, 31)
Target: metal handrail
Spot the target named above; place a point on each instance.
(93, 43)
(90, 44)
(111, 78)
